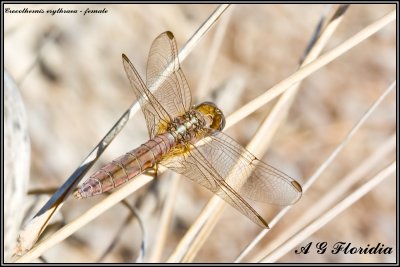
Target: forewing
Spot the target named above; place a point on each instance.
(163, 69)
(222, 165)
(156, 116)
(264, 183)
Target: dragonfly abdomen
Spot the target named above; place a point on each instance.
(126, 167)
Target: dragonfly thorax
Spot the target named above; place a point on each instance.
(186, 127)
(200, 120)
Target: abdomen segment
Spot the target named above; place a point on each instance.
(124, 168)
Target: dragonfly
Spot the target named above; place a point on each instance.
(188, 139)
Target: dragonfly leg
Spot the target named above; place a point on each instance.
(152, 171)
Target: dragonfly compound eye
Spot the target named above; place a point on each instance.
(215, 119)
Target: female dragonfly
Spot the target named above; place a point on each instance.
(188, 140)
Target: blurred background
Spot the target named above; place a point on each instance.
(69, 72)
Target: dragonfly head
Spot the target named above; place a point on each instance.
(213, 116)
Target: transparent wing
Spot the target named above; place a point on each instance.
(265, 183)
(172, 97)
(220, 164)
(194, 165)
(163, 69)
(154, 113)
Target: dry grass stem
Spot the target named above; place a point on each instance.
(203, 29)
(308, 69)
(281, 109)
(330, 159)
(85, 218)
(165, 220)
(318, 209)
(261, 140)
(331, 214)
(344, 142)
(337, 150)
(203, 88)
